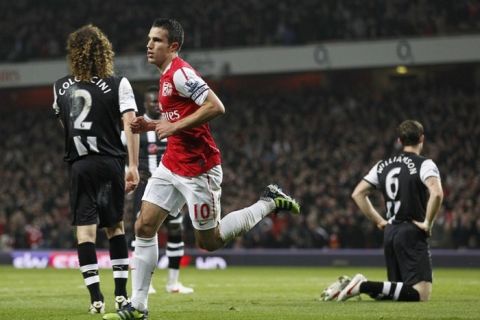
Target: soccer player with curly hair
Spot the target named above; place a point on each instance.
(90, 104)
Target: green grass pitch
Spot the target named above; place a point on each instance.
(237, 293)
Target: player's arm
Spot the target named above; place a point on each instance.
(191, 85)
(211, 108)
(435, 200)
(133, 144)
(56, 108)
(360, 196)
(128, 107)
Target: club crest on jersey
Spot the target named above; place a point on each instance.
(167, 89)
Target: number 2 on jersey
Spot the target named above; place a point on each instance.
(82, 100)
(85, 96)
(392, 187)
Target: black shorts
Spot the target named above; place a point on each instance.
(407, 254)
(138, 194)
(97, 190)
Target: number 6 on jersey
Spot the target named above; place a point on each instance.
(392, 187)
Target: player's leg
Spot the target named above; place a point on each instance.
(83, 195)
(413, 255)
(87, 258)
(119, 258)
(138, 195)
(137, 204)
(145, 257)
(412, 260)
(110, 208)
(377, 290)
(241, 221)
(386, 290)
(424, 289)
(144, 260)
(160, 197)
(203, 197)
(175, 253)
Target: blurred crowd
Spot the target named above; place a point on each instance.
(315, 143)
(31, 29)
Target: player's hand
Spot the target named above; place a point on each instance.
(382, 224)
(139, 125)
(425, 226)
(132, 178)
(165, 129)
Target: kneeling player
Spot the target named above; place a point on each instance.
(413, 195)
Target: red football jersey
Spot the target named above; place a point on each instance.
(193, 151)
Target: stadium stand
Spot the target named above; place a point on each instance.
(42, 29)
(315, 142)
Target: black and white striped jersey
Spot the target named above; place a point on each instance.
(151, 150)
(401, 178)
(91, 114)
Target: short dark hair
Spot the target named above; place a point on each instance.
(409, 132)
(174, 28)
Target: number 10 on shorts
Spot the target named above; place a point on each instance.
(201, 211)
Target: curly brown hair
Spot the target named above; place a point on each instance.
(90, 53)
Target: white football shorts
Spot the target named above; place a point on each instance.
(202, 194)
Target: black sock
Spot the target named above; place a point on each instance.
(175, 250)
(372, 288)
(390, 291)
(87, 259)
(119, 258)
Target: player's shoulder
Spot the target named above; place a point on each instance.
(114, 79)
(179, 65)
(419, 159)
(67, 78)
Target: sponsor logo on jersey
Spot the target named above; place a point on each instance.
(191, 85)
(171, 115)
(167, 89)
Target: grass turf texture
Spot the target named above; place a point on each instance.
(237, 293)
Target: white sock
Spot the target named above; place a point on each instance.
(241, 221)
(173, 276)
(143, 265)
